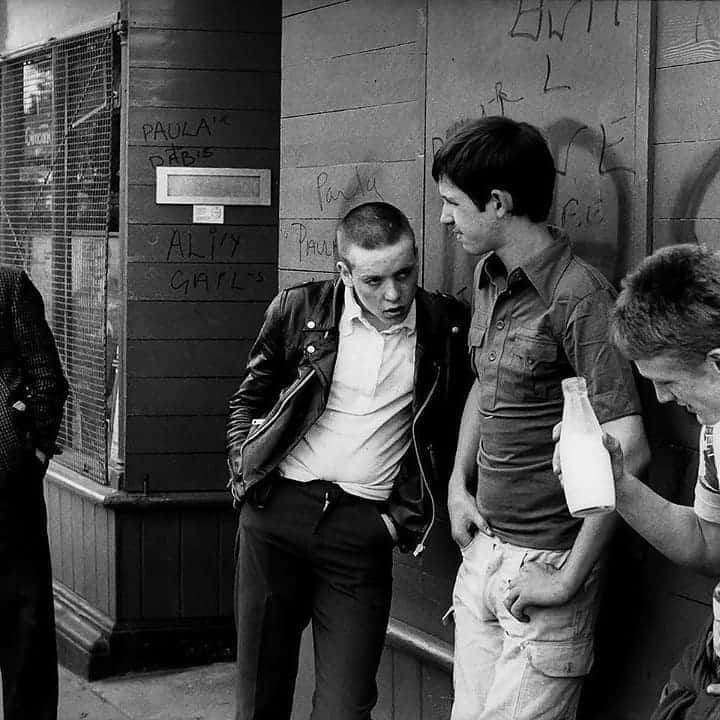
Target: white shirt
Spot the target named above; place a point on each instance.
(363, 434)
(707, 493)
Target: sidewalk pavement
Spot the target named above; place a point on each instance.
(198, 693)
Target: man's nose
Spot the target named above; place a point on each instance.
(445, 216)
(392, 291)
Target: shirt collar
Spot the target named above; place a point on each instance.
(352, 312)
(543, 270)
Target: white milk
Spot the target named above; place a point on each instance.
(586, 474)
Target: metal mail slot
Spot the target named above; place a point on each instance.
(212, 186)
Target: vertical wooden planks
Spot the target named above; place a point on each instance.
(203, 91)
(199, 564)
(81, 550)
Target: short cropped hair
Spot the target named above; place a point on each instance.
(371, 225)
(499, 153)
(670, 305)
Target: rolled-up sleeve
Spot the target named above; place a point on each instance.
(611, 385)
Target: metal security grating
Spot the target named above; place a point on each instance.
(56, 157)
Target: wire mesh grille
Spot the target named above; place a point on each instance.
(55, 182)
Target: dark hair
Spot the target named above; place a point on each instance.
(371, 225)
(499, 153)
(670, 305)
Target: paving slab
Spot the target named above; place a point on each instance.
(201, 693)
(79, 702)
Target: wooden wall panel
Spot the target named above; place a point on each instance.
(340, 138)
(288, 278)
(295, 7)
(226, 551)
(81, 548)
(179, 471)
(160, 565)
(407, 686)
(204, 91)
(379, 77)
(144, 211)
(690, 187)
(193, 321)
(189, 359)
(180, 396)
(203, 243)
(144, 159)
(163, 48)
(687, 104)
(347, 28)
(688, 32)
(178, 434)
(176, 564)
(202, 282)
(202, 88)
(670, 232)
(200, 584)
(330, 191)
(255, 16)
(307, 243)
(192, 127)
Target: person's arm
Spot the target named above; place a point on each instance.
(39, 361)
(674, 530)
(465, 519)
(259, 388)
(542, 585)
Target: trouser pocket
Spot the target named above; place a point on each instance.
(553, 677)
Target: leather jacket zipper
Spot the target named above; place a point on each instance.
(270, 419)
(424, 485)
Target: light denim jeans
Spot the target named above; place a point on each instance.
(506, 669)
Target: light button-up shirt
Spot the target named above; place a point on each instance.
(361, 437)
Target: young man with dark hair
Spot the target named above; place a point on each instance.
(334, 446)
(667, 320)
(526, 593)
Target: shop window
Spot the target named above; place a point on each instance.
(59, 150)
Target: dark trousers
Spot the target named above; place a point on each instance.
(314, 553)
(28, 655)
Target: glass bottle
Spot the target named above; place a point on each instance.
(585, 462)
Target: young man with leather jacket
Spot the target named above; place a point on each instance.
(344, 420)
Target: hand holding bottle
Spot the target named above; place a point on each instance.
(612, 445)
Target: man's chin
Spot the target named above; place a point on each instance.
(394, 318)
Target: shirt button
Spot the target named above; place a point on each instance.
(311, 324)
(454, 329)
(500, 324)
(310, 349)
(492, 356)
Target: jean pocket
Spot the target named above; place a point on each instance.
(552, 679)
(573, 658)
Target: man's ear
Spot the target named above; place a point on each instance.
(502, 202)
(714, 357)
(344, 271)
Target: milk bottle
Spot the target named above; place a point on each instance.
(586, 470)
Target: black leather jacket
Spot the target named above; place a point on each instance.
(287, 383)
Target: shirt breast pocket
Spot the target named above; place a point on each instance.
(532, 373)
(476, 337)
